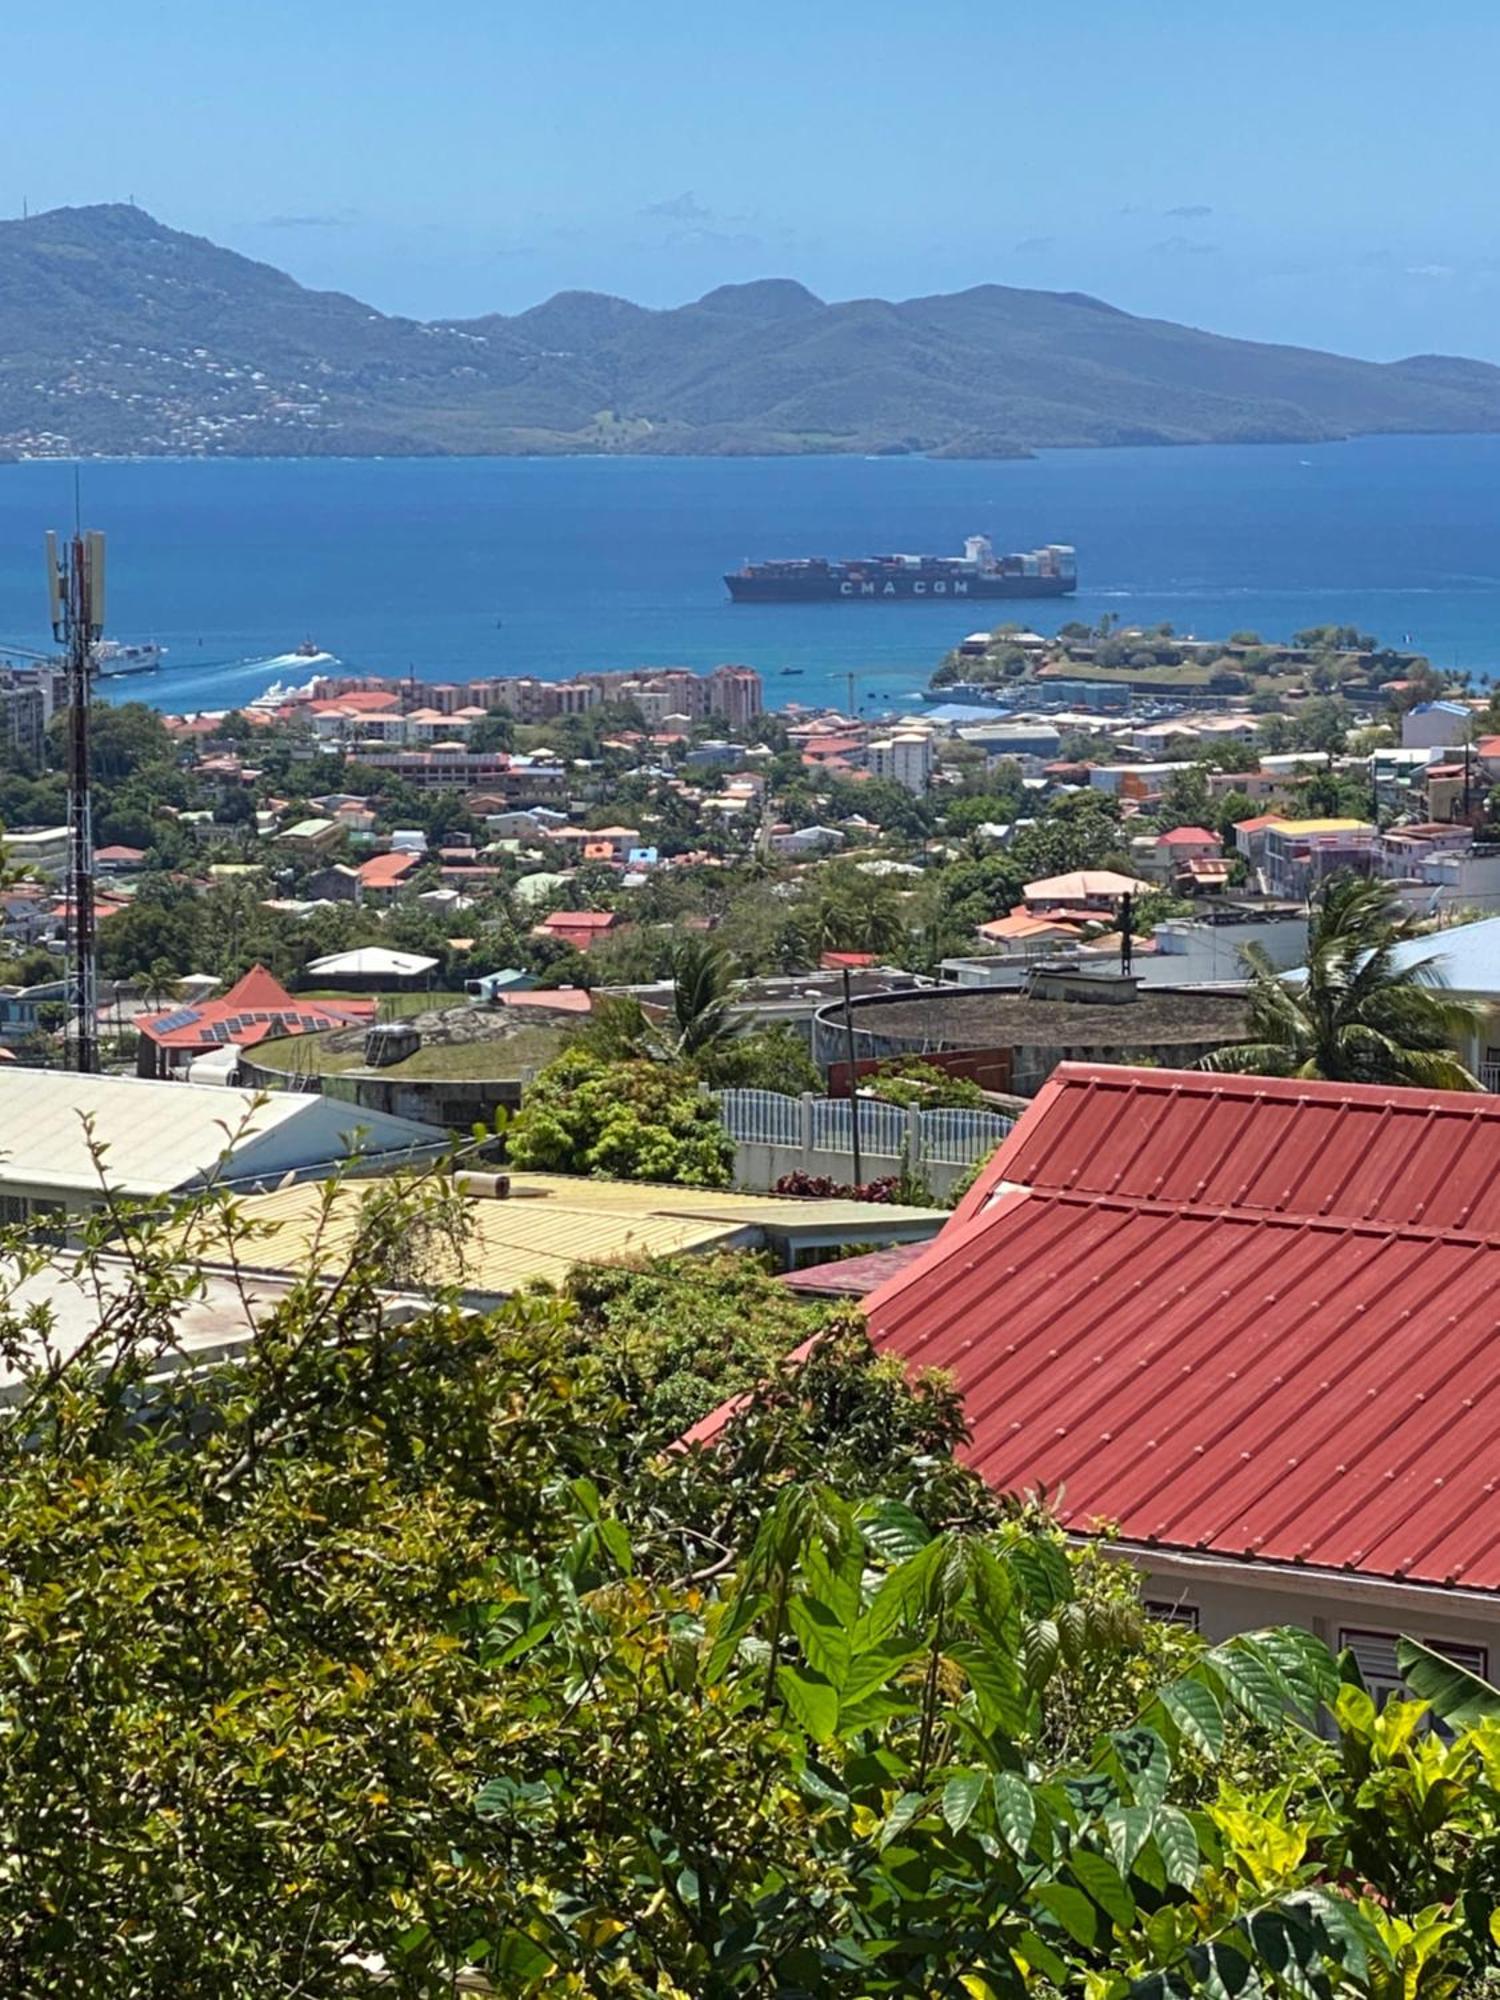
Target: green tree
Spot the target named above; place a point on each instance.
(1229, 811)
(844, 909)
(1355, 1014)
(625, 1120)
(769, 1059)
(1078, 830)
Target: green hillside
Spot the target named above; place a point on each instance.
(123, 336)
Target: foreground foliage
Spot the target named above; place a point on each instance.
(390, 1649)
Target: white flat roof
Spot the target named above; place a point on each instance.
(157, 1137)
(371, 961)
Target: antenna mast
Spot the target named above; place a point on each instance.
(75, 581)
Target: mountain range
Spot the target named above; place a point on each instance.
(125, 337)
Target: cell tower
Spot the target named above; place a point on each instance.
(75, 581)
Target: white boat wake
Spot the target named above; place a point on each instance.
(300, 661)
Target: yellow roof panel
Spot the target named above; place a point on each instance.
(1322, 826)
(553, 1222)
(759, 1211)
(501, 1246)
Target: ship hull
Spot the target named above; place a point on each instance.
(832, 589)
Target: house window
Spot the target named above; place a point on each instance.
(1375, 1654)
(1173, 1612)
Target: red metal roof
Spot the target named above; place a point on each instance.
(1232, 1314)
(1269, 1145)
(852, 1277)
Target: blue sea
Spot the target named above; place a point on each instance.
(449, 568)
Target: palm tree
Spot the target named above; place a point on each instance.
(1355, 1013)
(702, 995)
(696, 1026)
(158, 986)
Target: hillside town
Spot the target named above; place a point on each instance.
(1081, 1086)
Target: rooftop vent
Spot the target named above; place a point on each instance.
(1059, 980)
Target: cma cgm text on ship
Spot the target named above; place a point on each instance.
(1047, 572)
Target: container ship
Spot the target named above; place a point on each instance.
(978, 572)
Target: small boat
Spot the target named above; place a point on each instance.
(111, 658)
(308, 650)
(790, 670)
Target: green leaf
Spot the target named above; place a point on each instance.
(518, 1957)
(992, 1599)
(744, 1608)
(1040, 1650)
(1451, 1692)
(814, 1704)
(615, 1539)
(1091, 1793)
(961, 1795)
(892, 1530)
(1073, 1910)
(1015, 1809)
(1177, 1844)
(524, 1641)
(1044, 1571)
(1224, 1972)
(1351, 1939)
(1103, 1882)
(1249, 1682)
(1127, 1829)
(1286, 1942)
(901, 1815)
(818, 1787)
(834, 1578)
(872, 1711)
(1143, 1761)
(1040, 1957)
(905, 1598)
(1003, 1703)
(1306, 1668)
(1159, 1986)
(1195, 1710)
(822, 1636)
(1072, 1622)
(874, 1666)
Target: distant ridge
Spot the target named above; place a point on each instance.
(125, 337)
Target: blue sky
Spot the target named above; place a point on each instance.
(1317, 172)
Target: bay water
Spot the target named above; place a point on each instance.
(453, 568)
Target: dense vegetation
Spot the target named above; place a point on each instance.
(386, 1651)
(629, 1120)
(248, 361)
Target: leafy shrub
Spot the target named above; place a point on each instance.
(823, 1187)
(638, 1121)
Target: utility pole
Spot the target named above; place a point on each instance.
(75, 583)
(853, 1077)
